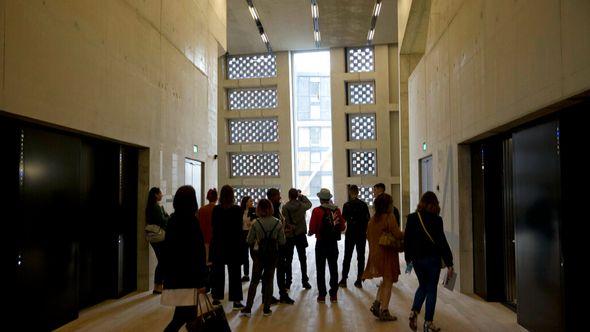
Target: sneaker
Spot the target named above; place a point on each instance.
(385, 316)
(274, 300)
(430, 327)
(246, 312)
(286, 300)
(306, 285)
(321, 299)
(238, 306)
(334, 298)
(342, 283)
(358, 284)
(216, 302)
(267, 312)
(245, 279)
(414, 321)
(375, 308)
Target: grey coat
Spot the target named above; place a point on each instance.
(294, 213)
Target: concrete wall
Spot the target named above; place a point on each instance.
(386, 110)
(141, 72)
(283, 112)
(487, 64)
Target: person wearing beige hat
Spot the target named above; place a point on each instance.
(326, 224)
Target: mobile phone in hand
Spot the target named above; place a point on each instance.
(409, 268)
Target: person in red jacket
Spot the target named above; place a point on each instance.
(327, 224)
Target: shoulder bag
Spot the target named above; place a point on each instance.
(442, 262)
(387, 240)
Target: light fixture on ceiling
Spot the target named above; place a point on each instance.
(256, 18)
(376, 12)
(315, 16)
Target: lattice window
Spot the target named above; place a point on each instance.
(253, 130)
(254, 164)
(251, 66)
(360, 93)
(361, 127)
(255, 192)
(360, 59)
(251, 99)
(366, 194)
(362, 162)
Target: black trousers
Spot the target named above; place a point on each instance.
(218, 281)
(299, 242)
(327, 251)
(158, 251)
(282, 271)
(262, 270)
(182, 316)
(350, 242)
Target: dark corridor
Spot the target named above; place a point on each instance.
(73, 219)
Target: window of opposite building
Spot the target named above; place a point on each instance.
(312, 122)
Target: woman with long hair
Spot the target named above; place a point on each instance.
(383, 260)
(225, 244)
(184, 268)
(156, 215)
(426, 247)
(248, 216)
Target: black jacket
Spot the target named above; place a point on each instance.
(227, 235)
(356, 213)
(183, 254)
(418, 244)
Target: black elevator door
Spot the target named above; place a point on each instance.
(537, 192)
(47, 278)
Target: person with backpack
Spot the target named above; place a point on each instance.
(426, 249)
(265, 236)
(384, 235)
(356, 214)
(295, 230)
(326, 224)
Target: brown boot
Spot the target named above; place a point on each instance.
(158, 288)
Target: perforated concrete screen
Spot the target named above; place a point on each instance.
(361, 93)
(254, 164)
(360, 59)
(252, 99)
(362, 162)
(253, 130)
(366, 194)
(255, 192)
(361, 127)
(251, 66)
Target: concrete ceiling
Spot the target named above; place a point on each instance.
(288, 24)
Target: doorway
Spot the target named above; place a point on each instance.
(194, 176)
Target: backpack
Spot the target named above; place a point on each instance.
(328, 230)
(267, 247)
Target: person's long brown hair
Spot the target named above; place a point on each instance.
(383, 203)
(226, 196)
(429, 203)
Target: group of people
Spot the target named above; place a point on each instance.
(200, 243)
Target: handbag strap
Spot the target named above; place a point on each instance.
(424, 228)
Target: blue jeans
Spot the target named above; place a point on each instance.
(428, 272)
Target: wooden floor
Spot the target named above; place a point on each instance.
(454, 311)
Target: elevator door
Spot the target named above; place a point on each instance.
(426, 175)
(193, 176)
(537, 193)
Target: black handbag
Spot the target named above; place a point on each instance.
(213, 320)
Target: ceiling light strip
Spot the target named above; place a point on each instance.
(256, 19)
(315, 16)
(376, 12)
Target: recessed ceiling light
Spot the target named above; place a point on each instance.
(376, 12)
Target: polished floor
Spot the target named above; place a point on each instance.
(455, 311)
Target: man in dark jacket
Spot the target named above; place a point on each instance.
(296, 229)
(274, 196)
(356, 214)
